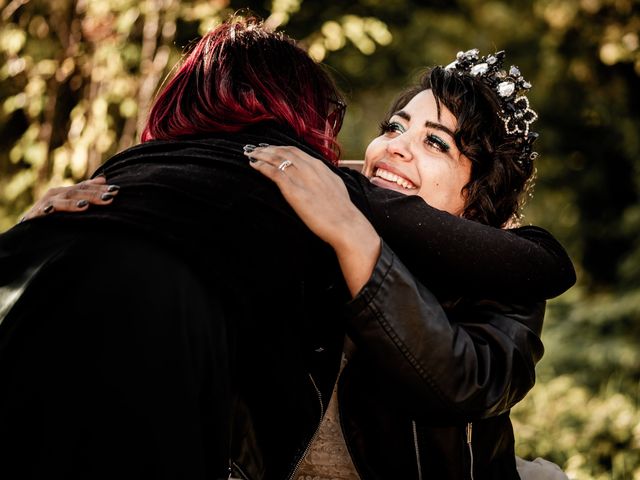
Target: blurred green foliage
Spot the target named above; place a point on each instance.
(77, 77)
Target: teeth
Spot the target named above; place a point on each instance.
(392, 177)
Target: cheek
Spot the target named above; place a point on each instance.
(441, 186)
(372, 155)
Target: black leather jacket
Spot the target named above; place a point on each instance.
(427, 393)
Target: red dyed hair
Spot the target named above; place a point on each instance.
(240, 74)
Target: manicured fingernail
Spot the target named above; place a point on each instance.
(106, 196)
(82, 203)
(263, 144)
(113, 188)
(48, 209)
(249, 148)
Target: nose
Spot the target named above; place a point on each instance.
(399, 148)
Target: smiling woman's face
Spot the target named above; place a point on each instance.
(416, 155)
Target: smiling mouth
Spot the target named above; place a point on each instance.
(393, 178)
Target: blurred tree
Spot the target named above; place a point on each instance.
(77, 77)
(76, 81)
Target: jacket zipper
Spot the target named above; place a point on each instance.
(315, 434)
(417, 448)
(238, 469)
(469, 432)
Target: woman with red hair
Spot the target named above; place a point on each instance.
(191, 327)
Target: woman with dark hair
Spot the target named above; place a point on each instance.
(423, 382)
(191, 327)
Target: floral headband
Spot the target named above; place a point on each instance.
(509, 87)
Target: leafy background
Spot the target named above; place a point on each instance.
(77, 77)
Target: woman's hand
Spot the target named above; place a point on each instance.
(75, 198)
(322, 202)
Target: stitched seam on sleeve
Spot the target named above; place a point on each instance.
(424, 374)
(369, 294)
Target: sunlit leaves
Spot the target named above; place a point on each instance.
(281, 11)
(363, 33)
(12, 39)
(619, 40)
(560, 420)
(19, 184)
(621, 44)
(80, 75)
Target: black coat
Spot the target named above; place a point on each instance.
(270, 288)
(427, 393)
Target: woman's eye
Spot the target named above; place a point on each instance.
(387, 127)
(436, 142)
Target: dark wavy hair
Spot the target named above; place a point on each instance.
(240, 74)
(499, 183)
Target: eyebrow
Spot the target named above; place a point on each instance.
(428, 124)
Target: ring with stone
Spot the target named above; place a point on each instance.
(283, 166)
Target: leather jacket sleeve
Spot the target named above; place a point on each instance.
(476, 360)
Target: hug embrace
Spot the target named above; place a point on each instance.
(217, 299)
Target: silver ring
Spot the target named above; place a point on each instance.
(283, 166)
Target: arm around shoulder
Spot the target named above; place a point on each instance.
(452, 254)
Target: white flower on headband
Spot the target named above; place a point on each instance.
(506, 89)
(479, 69)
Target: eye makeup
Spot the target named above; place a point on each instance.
(431, 139)
(387, 126)
(437, 142)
